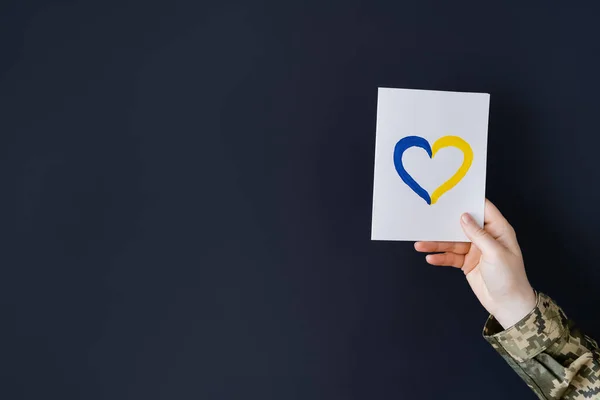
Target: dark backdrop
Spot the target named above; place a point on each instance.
(186, 195)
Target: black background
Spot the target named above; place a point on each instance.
(187, 192)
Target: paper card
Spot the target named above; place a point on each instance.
(430, 159)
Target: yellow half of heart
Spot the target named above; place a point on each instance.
(459, 143)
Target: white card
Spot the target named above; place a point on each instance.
(430, 158)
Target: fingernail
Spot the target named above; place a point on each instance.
(466, 219)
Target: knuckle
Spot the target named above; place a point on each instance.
(510, 230)
(480, 233)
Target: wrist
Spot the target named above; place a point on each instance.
(516, 308)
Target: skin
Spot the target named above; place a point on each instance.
(492, 264)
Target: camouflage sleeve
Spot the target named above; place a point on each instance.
(554, 358)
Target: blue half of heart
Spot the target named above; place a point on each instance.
(401, 146)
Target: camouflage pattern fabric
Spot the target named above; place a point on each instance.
(554, 358)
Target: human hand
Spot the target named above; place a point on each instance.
(492, 263)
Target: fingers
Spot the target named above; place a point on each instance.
(500, 229)
(450, 253)
(440, 247)
(446, 259)
(492, 214)
(479, 236)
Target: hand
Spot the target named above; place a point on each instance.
(492, 263)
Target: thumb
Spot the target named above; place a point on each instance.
(482, 239)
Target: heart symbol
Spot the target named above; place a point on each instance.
(445, 141)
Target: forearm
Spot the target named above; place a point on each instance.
(553, 358)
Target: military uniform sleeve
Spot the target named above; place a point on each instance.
(554, 358)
